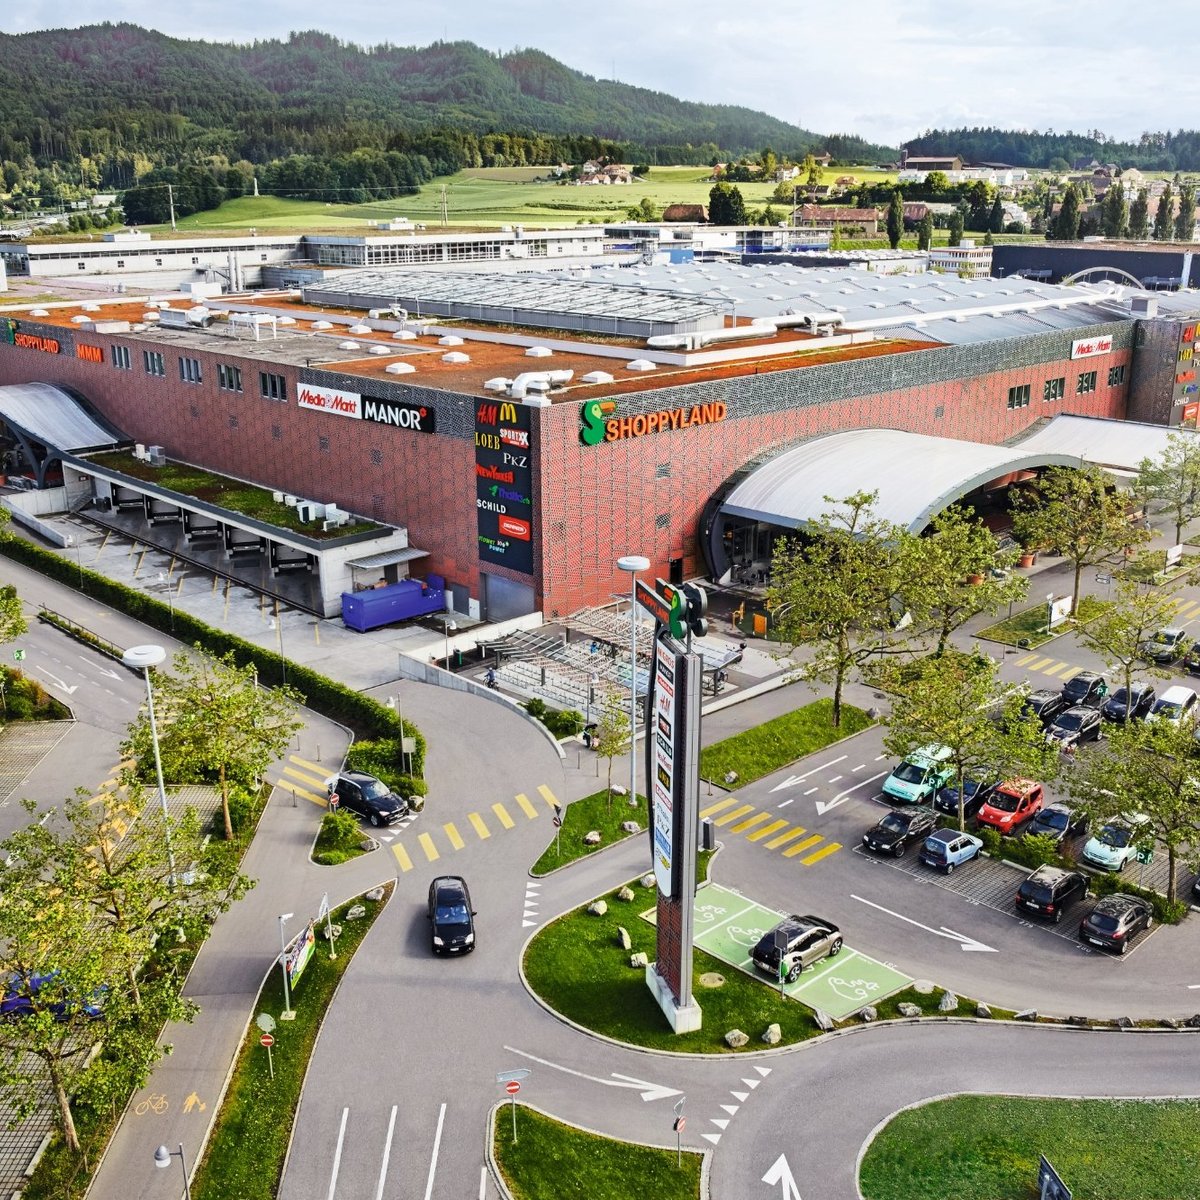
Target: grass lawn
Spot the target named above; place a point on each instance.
(582, 816)
(249, 1141)
(1028, 628)
(552, 1161)
(1103, 1149)
(338, 841)
(766, 748)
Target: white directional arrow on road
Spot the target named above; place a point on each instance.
(780, 1173)
(106, 671)
(965, 943)
(790, 781)
(823, 806)
(69, 690)
(649, 1091)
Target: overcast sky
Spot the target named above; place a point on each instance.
(884, 69)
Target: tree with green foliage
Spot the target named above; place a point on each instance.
(1173, 479)
(611, 738)
(216, 722)
(996, 216)
(958, 701)
(842, 590)
(925, 232)
(1185, 220)
(937, 181)
(1066, 223)
(1078, 513)
(1139, 216)
(12, 614)
(955, 229)
(1114, 212)
(895, 219)
(811, 170)
(726, 206)
(769, 162)
(1164, 216)
(644, 210)
(1152, 768)
(1120, 632)
(966, 571)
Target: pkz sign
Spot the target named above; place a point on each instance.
(367, 408)
(1090, 347)
(504, 484)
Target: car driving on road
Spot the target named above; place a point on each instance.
(367, 796)
(808, 940)
(451, 917)
(898, 830)
(947, 849)
(1114, 921)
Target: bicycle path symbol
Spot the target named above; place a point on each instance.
(156, 1103)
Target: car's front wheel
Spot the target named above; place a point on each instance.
(793, 973)
(375, 820)
(898, 852)
(836, 948)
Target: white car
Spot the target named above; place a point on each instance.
(1176, 704)
(1117, 842)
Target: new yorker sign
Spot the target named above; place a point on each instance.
(367, 408)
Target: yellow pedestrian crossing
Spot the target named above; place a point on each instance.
(502, 815)
(757, 819)
(402, 858)
(760, 826)
(800, 847)
(728, 802)
(526, 807)
(1060, 670)
(824, 852)
(740, 811)
(784, 838)
(477, 824)
(432, 853)
(454, 836)
(765, 831)
(546, 794)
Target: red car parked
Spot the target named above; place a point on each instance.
(1011, 804)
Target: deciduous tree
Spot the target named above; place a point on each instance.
(613, 734)
(1173, 479)
(1077, 512)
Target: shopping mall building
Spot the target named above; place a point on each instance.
(516, 433)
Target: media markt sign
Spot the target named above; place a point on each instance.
(504, 484)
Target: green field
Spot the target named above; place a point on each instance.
(986, 1148)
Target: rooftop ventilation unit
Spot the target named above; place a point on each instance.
(349, 346)
(156, 456)
(538, 352)
(497, 384)
(400, 368)
(456, 356)
(322, 324)
(359, 329)
(380, 350)
(309, 510)
(523, 382)
(81, 319)
(640, 364)
(38, 312)
(404, 335)
(596, 377)
(139, 452)
(450, 340)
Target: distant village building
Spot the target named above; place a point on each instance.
(686, 212)
(828, 214)
(925, 162)
(966, 259)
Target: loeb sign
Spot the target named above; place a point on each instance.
(366, 408)
(1088, 347)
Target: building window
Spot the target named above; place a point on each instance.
(1018, 397)
(1086, 383)
(377, 458)
(323, 444)
(189, 370)
(154, 363)
(229, 378)
(273, 387)
(81, 266)
(120, 263)
(195, 260)
(1116, 376)
(119, 357)
(662, 521)
(1054, 389)
(158, 262)
(194, 410)
(662, 471)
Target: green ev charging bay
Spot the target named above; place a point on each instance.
(728, 925)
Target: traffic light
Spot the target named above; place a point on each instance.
(696, 601)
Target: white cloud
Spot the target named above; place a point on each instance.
(881, 69)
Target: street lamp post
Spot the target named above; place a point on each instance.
(449, 626)
(633, 563)
(277, 623)
(162, 1160)
(143, 658)
(287, 1014)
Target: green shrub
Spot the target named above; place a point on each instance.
(339, 835)
(1170, 913)
(991, 841)
(241, 809)
(383, 758)
(536, 708)
(561, 723)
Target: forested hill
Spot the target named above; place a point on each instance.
(128, 99)
(1059, 151)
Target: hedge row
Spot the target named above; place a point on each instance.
(366, 717)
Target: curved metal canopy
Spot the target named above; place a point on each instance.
(915, 475)
(53, 417)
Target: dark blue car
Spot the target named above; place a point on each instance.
(21, 995)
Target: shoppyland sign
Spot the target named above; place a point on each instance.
(1090, 347)
(366, 408)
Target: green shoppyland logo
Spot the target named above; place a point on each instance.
(8, 330)
(594, 418)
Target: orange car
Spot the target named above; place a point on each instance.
(1011, 804)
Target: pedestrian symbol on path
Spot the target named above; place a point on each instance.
(194, 1103)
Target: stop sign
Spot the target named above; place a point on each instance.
(512, 1087)
(266, 1040)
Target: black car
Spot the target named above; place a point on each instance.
(1165, 646)
(1048, 891)
(1086, 688)
(975, 795)
(1044, 704)
(1114, 921)
(1074, 727)
(367, 796)
(1058, 821)
(451, 917)
(1191, 660)
(1132, 706)
(893, 834)
(807, 939)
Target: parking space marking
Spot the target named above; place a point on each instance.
(800, 847)
(526, 807)
(775, 843)
(477, 824)
(716, 808)
(817, 855)
(402, 857)
(454, 836)
(740, 811)
(765, 831)
(432, 853)
(502, 815)
(750, 822)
